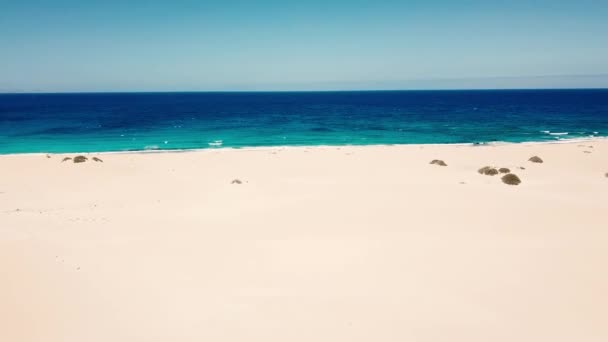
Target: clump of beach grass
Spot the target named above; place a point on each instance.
(484, 169)
(236, 181)
(438, 162)
(97, 160)
(80, 159)
(66, 159)
(535, 159)
(488, 171)
(511, 179)
(504, 170)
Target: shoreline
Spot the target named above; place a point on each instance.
(285, 147)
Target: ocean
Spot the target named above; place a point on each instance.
(100, 122)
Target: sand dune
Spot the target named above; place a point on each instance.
(314, 244)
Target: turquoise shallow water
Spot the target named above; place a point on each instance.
(166, 121)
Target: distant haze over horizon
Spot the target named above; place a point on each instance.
(271, 45)
(490, 83)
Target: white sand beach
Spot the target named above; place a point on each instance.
(316, 244)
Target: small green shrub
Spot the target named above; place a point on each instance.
(511, 179)
(80, 159)
(488, 171)
(438, 162)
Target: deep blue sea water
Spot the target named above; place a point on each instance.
(144, 121)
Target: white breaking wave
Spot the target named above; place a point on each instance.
(216, 143)
(554, 133)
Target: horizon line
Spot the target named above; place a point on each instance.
(291, 91)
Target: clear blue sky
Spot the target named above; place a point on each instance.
(88, 45)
